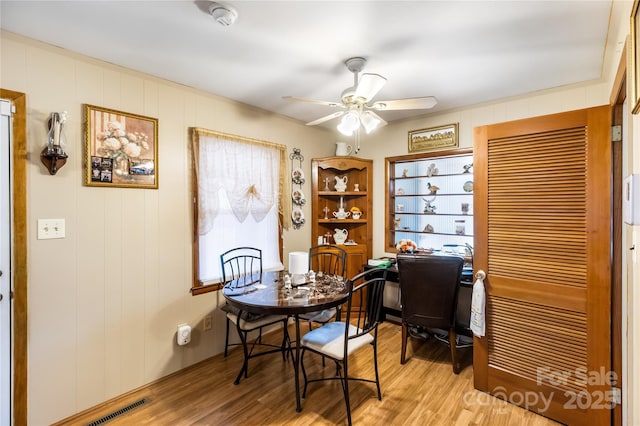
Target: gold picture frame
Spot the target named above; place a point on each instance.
(434, 138)
(121, 149)
(634, 74)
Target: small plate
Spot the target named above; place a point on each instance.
(298, 197)
(297, 176)
(468, 186)
(297, 215)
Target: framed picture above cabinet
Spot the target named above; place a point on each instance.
(429, 200)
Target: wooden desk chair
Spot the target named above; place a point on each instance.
(238, 268)
(429, 287)
(339, 340)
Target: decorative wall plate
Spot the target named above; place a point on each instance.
(297, 176)
(297, 215)
(468, 186)
(298, 197)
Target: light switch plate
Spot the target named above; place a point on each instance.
(631, 200)
(51, 228)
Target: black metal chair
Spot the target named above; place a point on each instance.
(241, 267)
(339, 340)
(327, 259)
(429, 286)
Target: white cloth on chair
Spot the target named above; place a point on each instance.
(478, 308)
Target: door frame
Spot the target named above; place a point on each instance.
(616, 100)
(19, 168)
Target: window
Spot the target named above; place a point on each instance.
(238, 187)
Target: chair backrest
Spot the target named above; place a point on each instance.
(364, 305)
(429, 289)
(328, 259)
(240, 262)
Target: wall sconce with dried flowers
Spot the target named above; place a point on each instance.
(53, 156)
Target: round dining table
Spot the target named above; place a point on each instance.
(265, 293)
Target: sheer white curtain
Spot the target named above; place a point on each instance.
(239, 187)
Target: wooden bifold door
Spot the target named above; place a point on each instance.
(542, 203)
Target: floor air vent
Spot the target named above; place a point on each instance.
(118, 412)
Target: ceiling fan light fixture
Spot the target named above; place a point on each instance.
(223, 14)
(344, 130)
(369, 121)
(349, 123)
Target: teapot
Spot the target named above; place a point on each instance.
(341, 214)
(340, 236)
(343, 148)
(341, 183)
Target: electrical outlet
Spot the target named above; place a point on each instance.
(207, 323)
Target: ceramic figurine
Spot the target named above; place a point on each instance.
(326, 184)
(340, 236)
(326, 211)
(428, 207)
(341, 183)
(432, 188)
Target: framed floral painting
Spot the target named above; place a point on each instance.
(121, 149)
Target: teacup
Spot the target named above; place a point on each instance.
(356, 215)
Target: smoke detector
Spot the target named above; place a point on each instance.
(223, 14)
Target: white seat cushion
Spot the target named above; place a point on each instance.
(252, 325)
(319, 316)
(329, 339)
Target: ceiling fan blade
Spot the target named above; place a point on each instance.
(314, 101)
(426, 102)
(325, 118)
(368, 86)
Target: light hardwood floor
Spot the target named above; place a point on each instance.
(424, 391)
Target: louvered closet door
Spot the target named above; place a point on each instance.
(542, 234)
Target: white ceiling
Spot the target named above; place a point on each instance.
(462, 53)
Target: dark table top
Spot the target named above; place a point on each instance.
(266, 294)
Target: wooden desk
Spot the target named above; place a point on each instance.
(267, 295)
(463, 313)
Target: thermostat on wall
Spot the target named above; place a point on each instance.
(631, 200)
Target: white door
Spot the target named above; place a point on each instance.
(5, 265)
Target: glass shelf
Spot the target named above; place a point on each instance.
(434, 195)
(432, 176)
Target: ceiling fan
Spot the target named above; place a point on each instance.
(356, 106)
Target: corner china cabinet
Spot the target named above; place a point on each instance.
(342, 186)
(430, 201)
